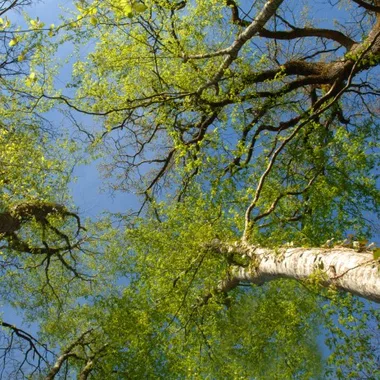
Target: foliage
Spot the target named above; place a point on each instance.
(236, 124)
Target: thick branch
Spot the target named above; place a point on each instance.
(331, 34)
(65, 355)
(90, 363)
(232, 52)
(85, 372)
(12, 220)
(367, 6)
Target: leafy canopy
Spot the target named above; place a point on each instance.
(233, 122)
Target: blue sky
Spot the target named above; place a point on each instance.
(88, 190)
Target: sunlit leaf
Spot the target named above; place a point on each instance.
(13, 42)
(139, 7)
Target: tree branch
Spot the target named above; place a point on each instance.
(367, 6)
(232, 52)
(67, 353)
(331, 34)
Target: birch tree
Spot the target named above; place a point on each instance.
(249, 130)
(270, 112)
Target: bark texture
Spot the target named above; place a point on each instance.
(343, 268)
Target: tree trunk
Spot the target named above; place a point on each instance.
(343, 268)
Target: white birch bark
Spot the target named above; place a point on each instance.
(343, 268)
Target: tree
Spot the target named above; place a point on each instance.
(249, 130)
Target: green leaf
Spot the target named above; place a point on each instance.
(139, 7)
(13, 42)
